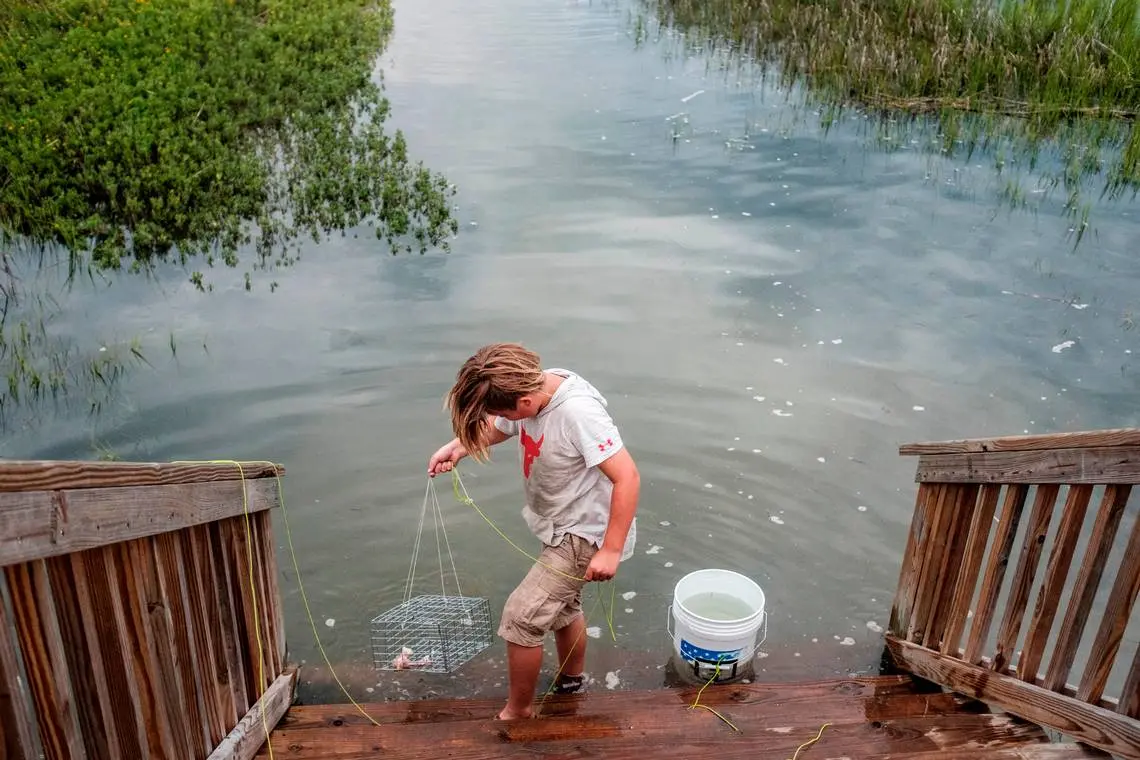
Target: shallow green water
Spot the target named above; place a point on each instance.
(770, 308)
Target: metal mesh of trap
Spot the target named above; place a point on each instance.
(446, 630)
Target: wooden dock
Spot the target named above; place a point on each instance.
(140, 617)
(875, 717)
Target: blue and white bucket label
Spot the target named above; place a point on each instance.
(692, 652)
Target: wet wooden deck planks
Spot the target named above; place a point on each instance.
(872, 717)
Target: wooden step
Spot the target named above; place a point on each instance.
(884, 717)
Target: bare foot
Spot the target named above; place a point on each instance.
(509, 714)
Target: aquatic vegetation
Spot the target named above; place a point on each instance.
(204, 131)
(1025, 76)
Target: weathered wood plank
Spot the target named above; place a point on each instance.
(45, 658)
(1085, 587)
(266, 552)
(666, 732)
(935, 551)
(247, 606)
(39, 524)
(49, 475)
(1130, 702)
(951, 563)
(784, 704)
(98, 692)
(136, 638)
(1049, 441)
(1033, 545)
(192, 682)
(902, 609)
(105, 619)
(1121, 599)
(17, 717)
(205, 616)
(267, 635)
(94, 724)
(1015, 497)
(980, 522)
(249, 735)
(1066, 466)
(158, 622)
(237, 660)
(1085, 722)
(1053, 586)
(1068, 690)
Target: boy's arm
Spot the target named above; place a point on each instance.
(622, 472)
(451, 452)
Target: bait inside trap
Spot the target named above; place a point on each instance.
(434, 633)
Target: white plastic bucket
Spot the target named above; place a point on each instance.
(721, 648)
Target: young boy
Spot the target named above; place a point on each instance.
(581, 488)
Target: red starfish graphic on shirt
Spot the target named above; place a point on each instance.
(531, 450)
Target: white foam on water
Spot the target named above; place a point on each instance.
(777, 519)
(848, 641)
(594, 632)
(872, 625)
(653, 549)
(628, 595)
(708, 485)
(629, 610)
(612, 680)
(837, 341)
(687, 98)
(918, 408)
(1062, 346)
(861, 508)
(665, 523)
(330, 622)
(758, 398)
(668, 564)
(781, 413)
(821, 460)
(779, 361)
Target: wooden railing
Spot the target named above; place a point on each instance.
(139, 611)
(952, 585)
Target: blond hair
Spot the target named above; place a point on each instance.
(493, 380)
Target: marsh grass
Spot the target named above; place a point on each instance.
(138, 132)
(1024, 75)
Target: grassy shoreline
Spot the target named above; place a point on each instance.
(197, 132)
(1028, 71)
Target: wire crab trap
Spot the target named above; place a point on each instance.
(434, 633)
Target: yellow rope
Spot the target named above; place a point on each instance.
(697, 699)
(810, 742)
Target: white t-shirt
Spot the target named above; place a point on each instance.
(559, 452)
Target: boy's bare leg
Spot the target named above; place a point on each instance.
(571, 640)
(523, 664)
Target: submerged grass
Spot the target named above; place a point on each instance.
(1022, 72)
(137, 132)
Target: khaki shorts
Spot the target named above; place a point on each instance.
(546, 600)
